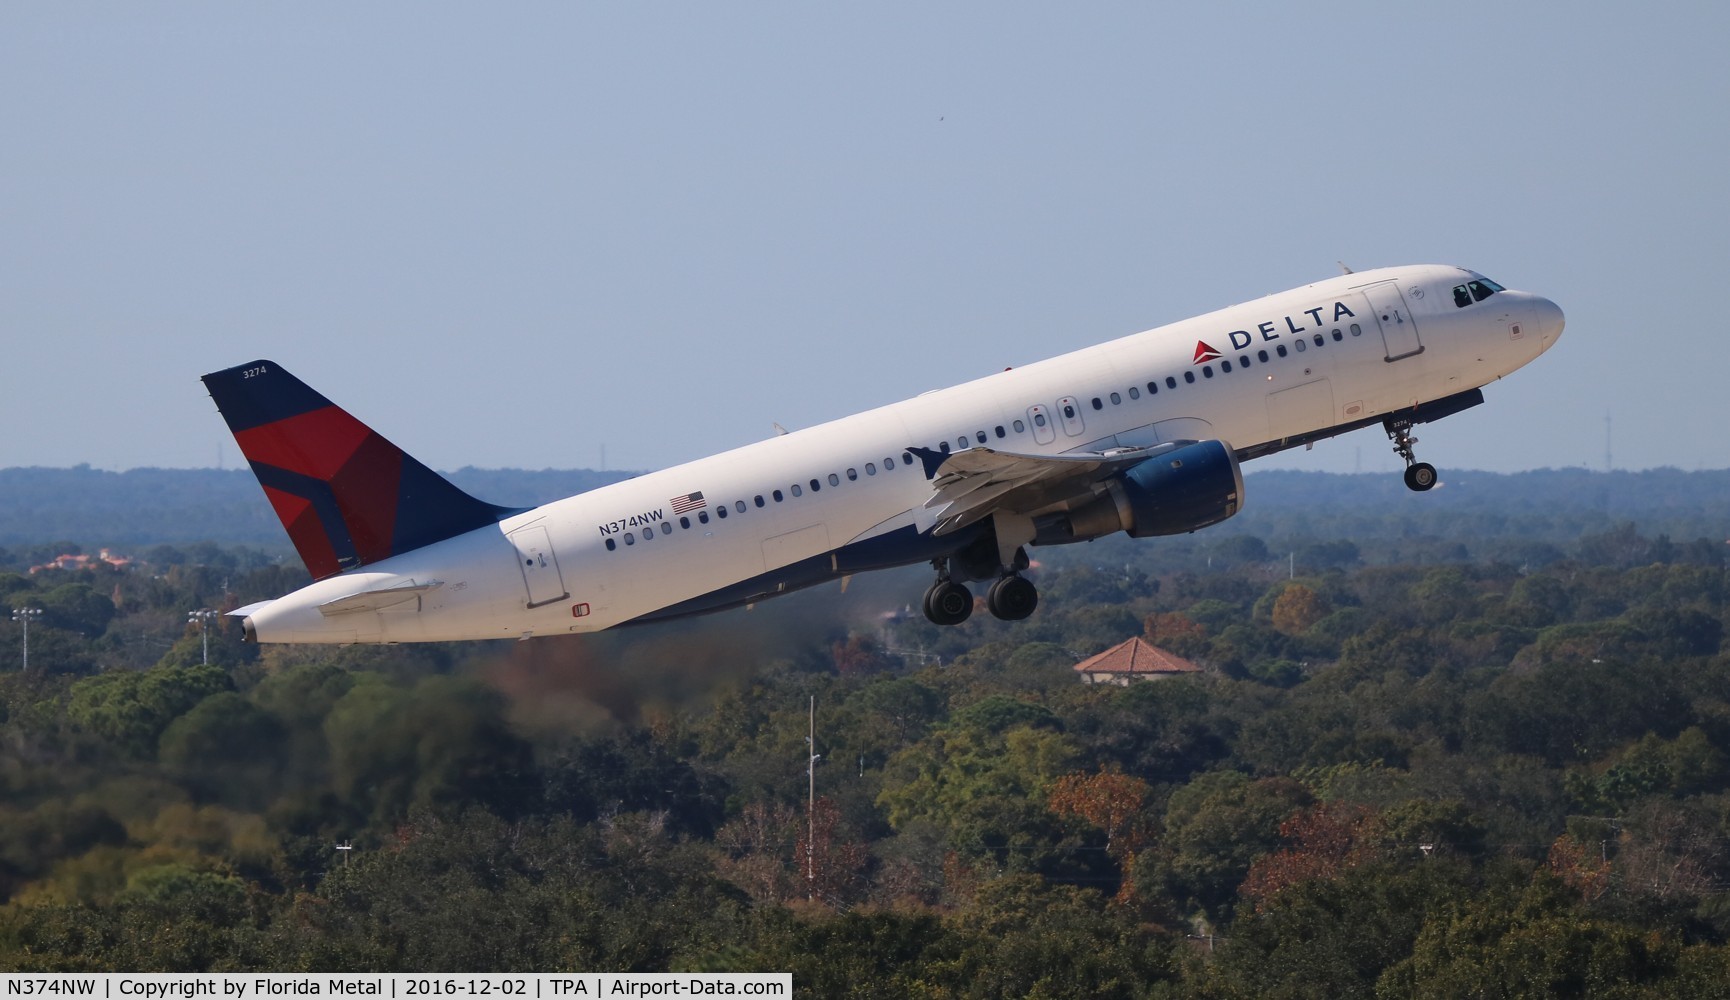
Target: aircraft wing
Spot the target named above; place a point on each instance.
(974, 484)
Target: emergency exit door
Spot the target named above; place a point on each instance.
(540, 566)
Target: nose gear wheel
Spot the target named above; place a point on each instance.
(1420, 476)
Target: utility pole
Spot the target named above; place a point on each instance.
(345, 847)
(24, 616)
(811, 805)
(203, 618)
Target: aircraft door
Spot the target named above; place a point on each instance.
(1070, 412)
(1399, 330)
(540, 566)
(1039, 419)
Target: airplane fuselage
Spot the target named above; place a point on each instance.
(852, 494)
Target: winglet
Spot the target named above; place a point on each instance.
(346, 496)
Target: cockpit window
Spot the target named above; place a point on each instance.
(1476, 290)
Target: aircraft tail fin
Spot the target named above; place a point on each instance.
(346, 496)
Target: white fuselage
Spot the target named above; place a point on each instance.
(622, 553)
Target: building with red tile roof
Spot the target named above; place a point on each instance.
(1131, 661)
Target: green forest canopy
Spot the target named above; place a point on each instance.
(1416, 764)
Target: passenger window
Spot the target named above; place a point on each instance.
(1243, 361)
(1116, 399)
(1320, 342)
(1207, 371)
(702, 517)
(1098, 403)
(1134, 393)
(630, 539)
(721, 512)
(612, 545)
(739, 505)
(815, 486)
(944, 448)
(1069, 411)
(852, 475)
(758, 500)
(1152, 387)
(1001, 433)
(980, 435)
(1462, 297)
(685, 522)
(1171, 383)
(961, 442)
(834, 480)
(1189, 377)
(1020, 428)
(648, 532)
(1262, 356)
(1300, 345)
(778, 495)
(870, 470)
(906, 459)
(1225, 366)
(1338, 336)
(1357, 330)
(1280, 349)
(1039, 420)
(797, 491)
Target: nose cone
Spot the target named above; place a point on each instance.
(1547, 317)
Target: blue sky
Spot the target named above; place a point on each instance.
(512, 235)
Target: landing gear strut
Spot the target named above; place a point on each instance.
(1420, 476)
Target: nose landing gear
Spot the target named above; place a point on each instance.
(1420, 476)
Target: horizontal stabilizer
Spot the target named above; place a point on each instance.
(378, 600)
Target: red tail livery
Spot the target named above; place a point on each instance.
(347, 496)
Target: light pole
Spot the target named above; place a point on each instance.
(203, 619)
(24, 616)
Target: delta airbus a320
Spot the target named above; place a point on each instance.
(1142, 435)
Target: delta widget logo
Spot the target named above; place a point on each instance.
(1204, 352)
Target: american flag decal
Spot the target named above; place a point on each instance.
(688, 502)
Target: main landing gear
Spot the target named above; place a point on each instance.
(1420, 476)
(1012, 597)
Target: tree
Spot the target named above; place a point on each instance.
(1215, 828)
(131, 709)
(224, 748)
(1297, 608)
(985, 790)
(1115, 803)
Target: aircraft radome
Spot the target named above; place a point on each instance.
(1142, 435)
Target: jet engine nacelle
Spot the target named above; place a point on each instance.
(1179, 491)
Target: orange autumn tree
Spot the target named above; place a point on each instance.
(1324, 842)
(1116, 804)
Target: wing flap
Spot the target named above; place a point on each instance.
(971, 485)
